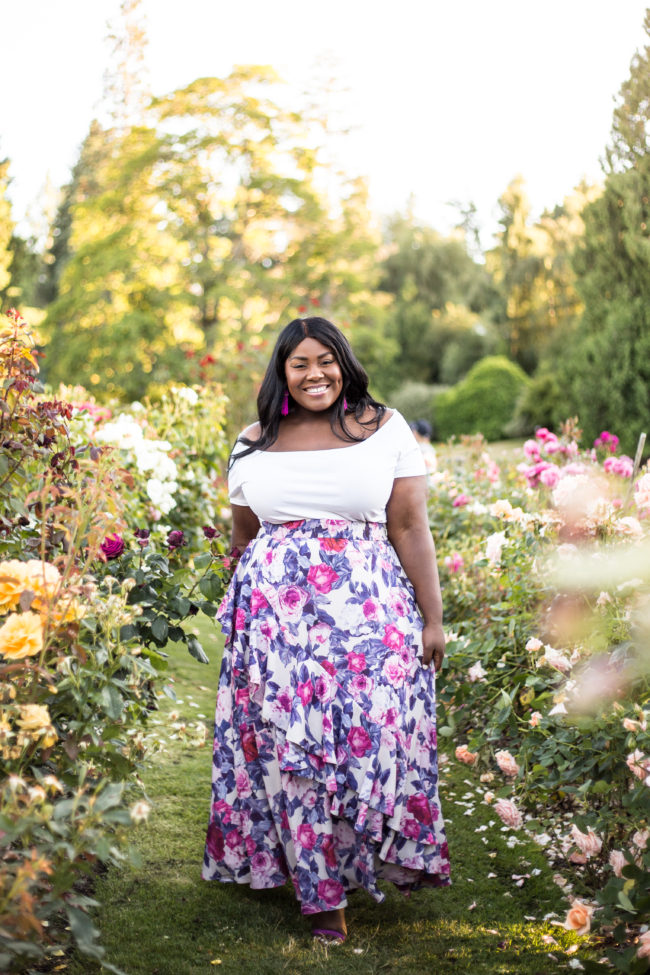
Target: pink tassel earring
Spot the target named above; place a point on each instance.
(345, 405)
(284, 410)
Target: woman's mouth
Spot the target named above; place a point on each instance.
(316, 390)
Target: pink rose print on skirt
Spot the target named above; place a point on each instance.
(322, 577)
(359, 741)
(325, 725)
(291, 600)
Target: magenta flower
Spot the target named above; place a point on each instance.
(142, 536)
(175, 540)
(210, 532)
(359, 741)
(461, 500)
(112, 546)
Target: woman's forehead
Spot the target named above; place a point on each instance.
(310, 348)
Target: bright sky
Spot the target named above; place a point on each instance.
(450, 98)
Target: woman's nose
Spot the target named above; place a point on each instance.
(315, 371)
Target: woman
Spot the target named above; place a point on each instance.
(325, 767)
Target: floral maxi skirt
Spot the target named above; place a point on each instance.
(325, 764)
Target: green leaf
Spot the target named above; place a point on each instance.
(625, 902)
(202, 561)
(160, 628)
(128, 632)
(196, 650)
(110, 796)
(111, 701)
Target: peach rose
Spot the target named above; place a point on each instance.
(578, 918)
(588, 843)
(35, 720)
(640, 838)
(506, 763)
(617, 861)
(488, 797)
(463, 754)
(535, 719)
(643, 951)
(508, 813)
(636, 761)
(534, 644)
(13, 582)
(476, 672)
(21, 636)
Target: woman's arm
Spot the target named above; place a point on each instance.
(410, 536)
(245, 526)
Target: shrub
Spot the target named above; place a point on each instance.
(415, 401)
(483, 402)
(86, 608)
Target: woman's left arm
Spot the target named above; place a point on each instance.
(408, 531)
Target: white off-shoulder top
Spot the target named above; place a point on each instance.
(352, 481)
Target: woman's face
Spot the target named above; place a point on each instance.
(314, 377)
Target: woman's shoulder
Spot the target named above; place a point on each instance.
(251, 432)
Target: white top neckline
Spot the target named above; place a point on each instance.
(324, 450)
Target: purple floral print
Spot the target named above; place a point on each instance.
(325, 762)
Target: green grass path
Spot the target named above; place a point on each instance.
(160, 918)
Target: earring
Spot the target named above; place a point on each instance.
(345, 405)
(284, 410)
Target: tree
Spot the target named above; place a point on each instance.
(607, 375)
(6, 229)
(441, 297)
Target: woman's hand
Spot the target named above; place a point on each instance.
(433, 645)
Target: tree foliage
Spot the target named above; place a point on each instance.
(6, 228)
(607, 374)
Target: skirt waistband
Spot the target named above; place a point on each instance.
(329, 527)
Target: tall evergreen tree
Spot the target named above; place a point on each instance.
(608, 373)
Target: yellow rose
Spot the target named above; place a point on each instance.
(14, 579)
(34, 717)
(43, 576)
(21, 636)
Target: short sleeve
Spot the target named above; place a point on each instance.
(410, 462)
(236, 483)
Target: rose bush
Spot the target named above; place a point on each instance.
(90, 593)
(547, 596)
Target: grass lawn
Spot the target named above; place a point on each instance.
(160, 918)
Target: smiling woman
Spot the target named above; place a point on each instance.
(325, 763)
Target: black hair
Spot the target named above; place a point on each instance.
(423, 427)
(274, 385)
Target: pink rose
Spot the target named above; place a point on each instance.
(322, 577)
(331, 892)
(461, 500)
(361, 684)
(234, 840)
(224, 810)
(240, 620)
(291, 600)
(322, 688)
(531, 449)
(550, 476)
(242, 782)
(418, 805)
(284, 699)
(320, 633)
(359, 741)
(258, 601)
(371, 609)
(393, 671)
(393, 637)
(356, 662)
(588, 843)
(305, 692)
(508, 813)
(329, 667)
(410, 828)
(215, 845)
(332, 544)
(112, 546)
(398, 601)
(306, 836)
(454, 562)
(262, 864)
(507, 763)
(617, 861)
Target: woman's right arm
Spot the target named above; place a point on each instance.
(245, 526)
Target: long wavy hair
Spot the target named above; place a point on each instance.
(274, 386)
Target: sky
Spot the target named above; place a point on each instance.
(447, 101)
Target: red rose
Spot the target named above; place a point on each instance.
(112, 546)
